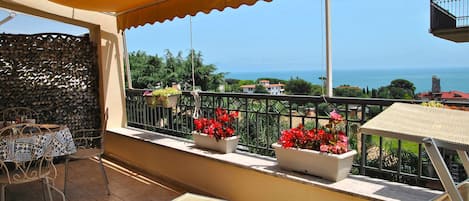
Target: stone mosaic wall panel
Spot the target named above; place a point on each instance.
(54, 74)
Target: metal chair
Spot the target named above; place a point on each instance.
(18, 115)
(89, 144)
(31, 159)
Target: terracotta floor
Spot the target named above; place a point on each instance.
(86, 184)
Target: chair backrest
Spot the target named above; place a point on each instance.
(26, 153)
(92, 138)
(18, 115)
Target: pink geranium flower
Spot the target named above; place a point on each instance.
(330, 139)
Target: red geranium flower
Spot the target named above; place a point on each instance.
(218, 127)
(330, 139)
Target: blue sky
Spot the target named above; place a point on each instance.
(288, 35)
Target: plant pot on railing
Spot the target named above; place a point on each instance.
(224, 145)
(333, 167)
(167, 98)
(320, 152)
(216, 133)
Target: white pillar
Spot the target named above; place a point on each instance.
(328, 50)
(127, 62)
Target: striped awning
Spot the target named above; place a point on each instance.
(134, 13)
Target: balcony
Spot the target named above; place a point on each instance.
(166, 134)
(450, 19)
(156, 141)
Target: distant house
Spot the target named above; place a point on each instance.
(438, 95)
(273, 89)
(449, 96)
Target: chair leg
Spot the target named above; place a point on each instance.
(52, 185)
(46, 186)
(66, 175)
(2, 197)
(44, 193)
(106, 182)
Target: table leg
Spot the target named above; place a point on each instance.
(464, 159)
(442, 170)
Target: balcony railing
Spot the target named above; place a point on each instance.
(456, 11)
(263, 117)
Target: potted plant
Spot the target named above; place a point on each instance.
(167, 97)
(216, 133)
(320, 152)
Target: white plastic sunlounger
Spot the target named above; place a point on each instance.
(434, 127)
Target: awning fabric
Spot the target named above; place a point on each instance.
(134, 13)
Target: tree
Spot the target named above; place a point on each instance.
(298, 86)
(144, 69)
(246, 82)
(348, 91)
(231, 81)
(152, 71)
(403, 84)
(374, 93)
(260, 89)
(398, 89)
(272, 80)
(316, 90)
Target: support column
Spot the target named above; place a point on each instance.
(328, 51)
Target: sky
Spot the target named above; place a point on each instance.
(286, 35)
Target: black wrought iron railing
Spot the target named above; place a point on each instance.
(263, 117)
(457, 10)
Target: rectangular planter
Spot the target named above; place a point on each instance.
(162, 101)
(226, 145)
(333, 167)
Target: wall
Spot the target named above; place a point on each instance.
(56, 75)
(219, 179)
(103, 31)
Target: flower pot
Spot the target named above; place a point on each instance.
(162, 101)
(333, 167)
(225, 145)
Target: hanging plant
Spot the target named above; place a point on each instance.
(166, 98)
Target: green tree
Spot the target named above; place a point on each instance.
(316, 90)
(348, 91)
(272, 80)
(298, 86)
(144, 69)
(398, 89)
(150, 71)
(246, 82)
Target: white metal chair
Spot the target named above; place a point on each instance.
(31, 159)
(18, 115)
(89, 144)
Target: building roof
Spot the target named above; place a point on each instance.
(454, 95)
(248, 86)
(447, 95)
(275, 85)
(269, 85)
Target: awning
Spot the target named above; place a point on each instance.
(134, 13)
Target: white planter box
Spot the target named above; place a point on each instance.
(226, 145)
(333, 167)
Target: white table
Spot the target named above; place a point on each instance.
(434, 127)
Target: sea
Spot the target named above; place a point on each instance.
(450, 78)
